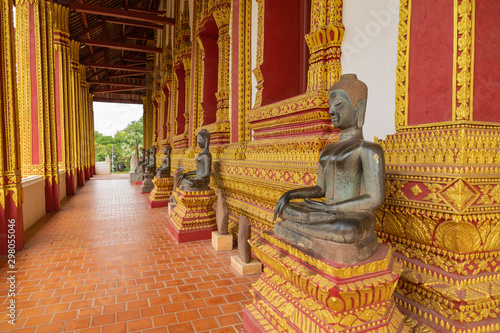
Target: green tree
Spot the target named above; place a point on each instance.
(123, 143)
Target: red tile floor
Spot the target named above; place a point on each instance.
(107, 263)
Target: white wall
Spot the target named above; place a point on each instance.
(62, 184)
(34, 200)
(102, 168)
(369, 49)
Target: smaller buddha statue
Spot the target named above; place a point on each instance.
(351, 177)
(151, 166)
(201, 177)
(164, 170)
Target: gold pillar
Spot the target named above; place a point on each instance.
(62, 66)
(11, 195)
(36, 87)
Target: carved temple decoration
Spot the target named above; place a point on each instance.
(11, 192)
(442, 210)
(62, 61)
(182, 83)
(36, 94)
(214, 44)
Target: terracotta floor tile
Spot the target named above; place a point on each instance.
(181, 328)
(228, 320)
(128, 315)
(106, 264)
(115, 328)
(76, 324)
(205, 324)
(50, 328)
(103, 320)
(164, 320)
(187, 316)
(141, 324)
(151, 311)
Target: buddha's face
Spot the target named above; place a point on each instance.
(201, 141)
(342, 112)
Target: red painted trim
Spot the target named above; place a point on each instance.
(189, 236)
(157, 203)
(35, 140)
(58, 105)
(193, 65)
(70, 183)
(11, 212)
(250, 324)
(487, 62)
(235, 70)
(431, 52)
(80, 177)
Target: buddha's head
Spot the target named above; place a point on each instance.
(347, 102)
(203, 139)
(167, 150)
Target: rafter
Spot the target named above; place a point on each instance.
(135, 23)
(125, 75)
(121, 46)
(118, 83)
(120, 13)
(122, 67)
(113, 90)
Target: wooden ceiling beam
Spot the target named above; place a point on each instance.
(125, 75)
(135, 23)
(118, 83)
(120, 46)
(120, 13)
(96, 73)
(113, 90)
(122, 67)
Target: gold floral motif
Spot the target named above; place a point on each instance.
(459, 194)
(415, 190)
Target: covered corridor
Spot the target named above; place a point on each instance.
(107, 263)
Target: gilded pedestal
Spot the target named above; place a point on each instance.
(302, 292)
(193, 217)
(160, 195)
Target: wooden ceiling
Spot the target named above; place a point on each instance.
(114, 36)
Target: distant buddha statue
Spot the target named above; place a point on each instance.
(351, 181)
(201, 177)
(151, 166)
(145, 162)
(164, 170)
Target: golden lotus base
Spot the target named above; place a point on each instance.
(300, 291)
(160, 195)
(193, 217)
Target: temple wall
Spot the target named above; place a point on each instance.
(369, 49)
(62, 185)
(34, 200)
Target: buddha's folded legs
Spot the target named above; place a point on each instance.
(348, 227)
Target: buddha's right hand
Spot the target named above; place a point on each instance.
(280, 205)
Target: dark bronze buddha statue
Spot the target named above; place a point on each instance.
(164, 170)
(351, 178)
(201, 177)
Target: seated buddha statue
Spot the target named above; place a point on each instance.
(164, 170)
(351, 176)
(151, 166)
(145, 161)
(198, 180)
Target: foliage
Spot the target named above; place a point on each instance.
(123, 143)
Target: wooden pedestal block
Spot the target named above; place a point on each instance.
(300, 291)
(253, 267)
(160, 195)
(193, 217)
(222, 242)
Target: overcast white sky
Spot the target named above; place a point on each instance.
(112, 117)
